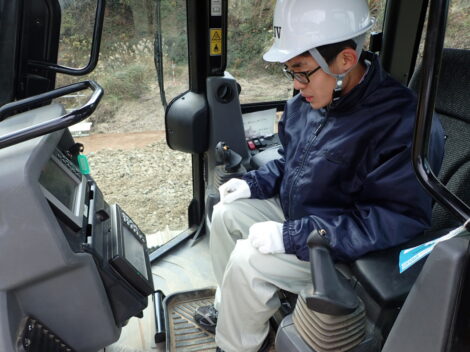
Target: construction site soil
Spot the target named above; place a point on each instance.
(151, 182)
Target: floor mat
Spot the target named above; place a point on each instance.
(183, 334)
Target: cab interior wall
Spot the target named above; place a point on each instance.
(8, 49)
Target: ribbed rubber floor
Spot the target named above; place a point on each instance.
(183, 334)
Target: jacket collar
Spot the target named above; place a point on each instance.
(374, 76)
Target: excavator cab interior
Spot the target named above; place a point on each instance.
(79, 273)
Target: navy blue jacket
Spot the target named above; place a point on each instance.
(348, 170)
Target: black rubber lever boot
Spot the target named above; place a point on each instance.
(332, 293)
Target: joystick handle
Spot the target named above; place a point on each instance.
(226, 156)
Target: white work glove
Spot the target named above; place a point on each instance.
(267, 237)
(233, 189)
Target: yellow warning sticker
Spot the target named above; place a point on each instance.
(216, 41)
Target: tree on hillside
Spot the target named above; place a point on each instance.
(142, 15)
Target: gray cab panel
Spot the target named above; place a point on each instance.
(41, 276)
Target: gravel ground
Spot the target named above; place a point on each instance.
(152, 184)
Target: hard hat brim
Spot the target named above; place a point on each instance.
(276, 55)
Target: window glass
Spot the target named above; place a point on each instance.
(377, 10)
(249, 37)
(175, 47)
(458, 25)
(124, 139)
(457, 30)
(76, 32)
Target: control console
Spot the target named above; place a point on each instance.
(104, 231)
(261, 143)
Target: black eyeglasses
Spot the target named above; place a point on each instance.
(302, 77)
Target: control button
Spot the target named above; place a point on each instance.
(251, 145)
(257, 143)
(262, 141)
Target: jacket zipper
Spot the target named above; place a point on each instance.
(307, 152)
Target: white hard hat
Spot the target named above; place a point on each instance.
(300, 25)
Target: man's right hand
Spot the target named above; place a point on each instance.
(233, 189)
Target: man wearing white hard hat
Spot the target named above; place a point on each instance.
(346, 172)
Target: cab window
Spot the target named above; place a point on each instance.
(249, 37)
(124, 139)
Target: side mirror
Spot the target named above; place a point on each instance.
(94, 54)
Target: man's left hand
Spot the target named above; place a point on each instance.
(267, 237)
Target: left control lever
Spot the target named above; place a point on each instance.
(228, 157)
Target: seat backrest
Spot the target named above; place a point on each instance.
(452, 106)
(378, 271)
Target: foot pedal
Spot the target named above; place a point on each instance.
(36, 337)
(183, 333)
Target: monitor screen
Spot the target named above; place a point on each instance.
(134, 251)
(59, 184)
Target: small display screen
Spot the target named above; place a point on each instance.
(59, 184)
(134, 251)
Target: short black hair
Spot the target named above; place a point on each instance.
(330, 51)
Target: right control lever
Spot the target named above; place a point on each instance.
(332, 293)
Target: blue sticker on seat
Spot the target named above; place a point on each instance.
(408, 257)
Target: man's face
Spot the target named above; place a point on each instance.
(318, 92)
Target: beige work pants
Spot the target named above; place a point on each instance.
(248, 280)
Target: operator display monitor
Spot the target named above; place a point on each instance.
(128, 251)
(134, 252)
(64, 187)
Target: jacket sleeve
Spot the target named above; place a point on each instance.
(265, 182)
(391, 208)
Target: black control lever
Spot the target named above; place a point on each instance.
(225, 155)
(332, 293)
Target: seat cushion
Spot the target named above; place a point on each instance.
(378, 272)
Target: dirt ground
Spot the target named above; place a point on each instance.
(123, 141)
(151, 182)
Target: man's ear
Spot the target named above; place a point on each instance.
(346, 59)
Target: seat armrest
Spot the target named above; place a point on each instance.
(265, 156)
(332, 292)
